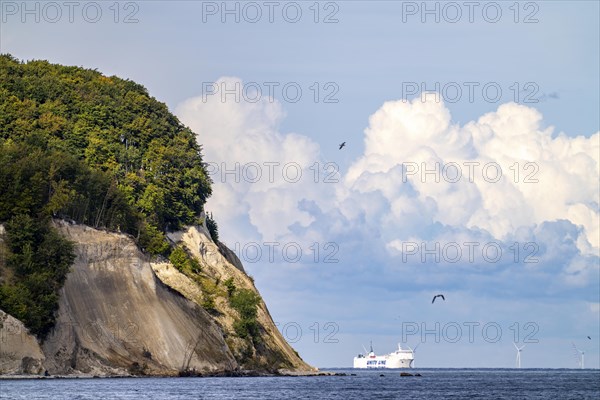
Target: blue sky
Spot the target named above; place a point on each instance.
(371, 211)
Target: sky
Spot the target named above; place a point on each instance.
(471, 164)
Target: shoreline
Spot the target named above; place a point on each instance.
(239, 374)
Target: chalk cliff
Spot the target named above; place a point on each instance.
(129, 298)
(121, 313)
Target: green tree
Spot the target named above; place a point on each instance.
(213, 229)
(40, 258)
(245, 302)
(230, 286)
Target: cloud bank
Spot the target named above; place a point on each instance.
(428, 206)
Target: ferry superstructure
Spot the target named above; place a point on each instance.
(401, 358)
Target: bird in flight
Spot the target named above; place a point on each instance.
(436, 296)
(589, 338)
(342, 145)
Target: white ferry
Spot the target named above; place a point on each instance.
(400, 358)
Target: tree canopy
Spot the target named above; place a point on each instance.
(98, 150)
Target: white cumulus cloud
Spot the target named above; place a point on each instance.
(421, 178)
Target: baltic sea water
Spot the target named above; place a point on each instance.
(366, 384)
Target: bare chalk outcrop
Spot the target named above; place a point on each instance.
(115, 316)
(20, 352)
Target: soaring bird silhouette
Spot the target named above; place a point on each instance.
(436, 296)
(342, 145)
(589, 338)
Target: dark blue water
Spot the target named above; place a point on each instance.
(434, 384)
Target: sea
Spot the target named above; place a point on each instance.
(364, 384)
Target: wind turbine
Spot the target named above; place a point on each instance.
(518, 354)
(577, 353)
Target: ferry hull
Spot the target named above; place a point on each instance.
(369, 363)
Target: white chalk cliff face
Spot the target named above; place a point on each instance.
(20, 352)
(119, 313)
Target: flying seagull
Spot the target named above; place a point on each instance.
(436, 296)
(342, 145)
